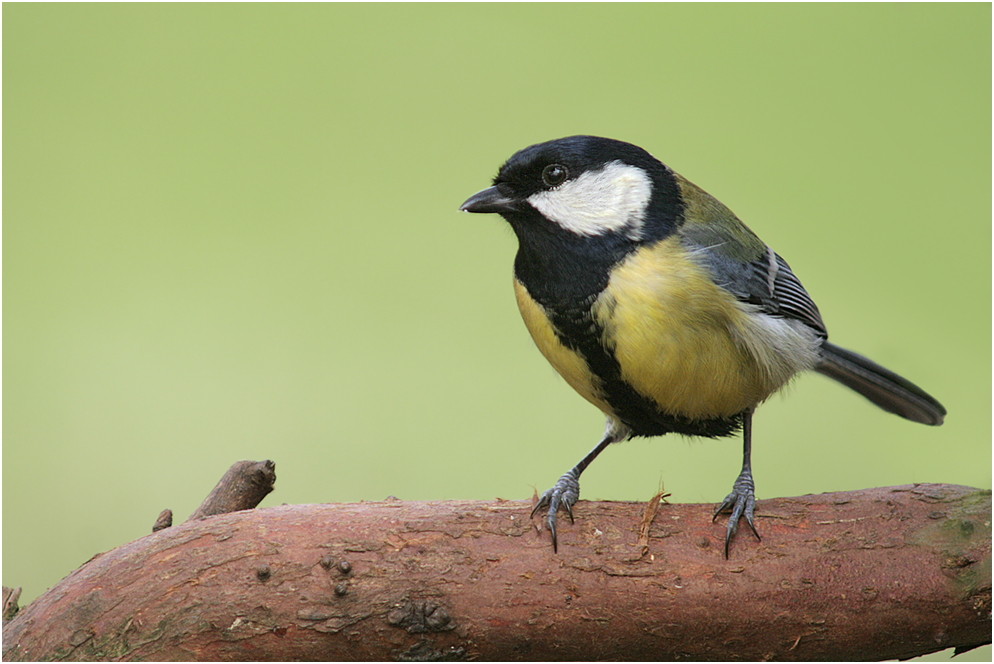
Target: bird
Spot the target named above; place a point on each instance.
(661, 308)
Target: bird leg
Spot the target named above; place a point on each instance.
(742, 500)
(566, 491)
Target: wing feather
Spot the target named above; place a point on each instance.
(741, 263)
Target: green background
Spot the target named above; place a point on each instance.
(231, 232)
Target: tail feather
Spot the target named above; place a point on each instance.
(881, 386)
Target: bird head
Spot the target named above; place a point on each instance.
(583, 187)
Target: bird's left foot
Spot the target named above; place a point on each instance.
(741, 502)
(560, 497)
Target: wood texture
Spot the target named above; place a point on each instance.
(875, 574)
(242, 487)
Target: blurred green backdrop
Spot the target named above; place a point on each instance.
(231, 232)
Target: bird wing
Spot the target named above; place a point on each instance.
(741, 263)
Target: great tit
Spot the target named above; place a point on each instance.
(660, 307)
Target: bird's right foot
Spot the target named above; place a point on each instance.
(562, 496)
(741, 503)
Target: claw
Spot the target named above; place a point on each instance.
(562, 496)
(543, 501)
(741, 502)
(551, 520)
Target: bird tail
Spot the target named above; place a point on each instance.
(881, 386)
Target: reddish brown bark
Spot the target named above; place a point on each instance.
(875, 574)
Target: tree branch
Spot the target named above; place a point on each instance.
(241, 488)
(876, 574)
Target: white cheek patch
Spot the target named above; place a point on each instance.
(608, 200)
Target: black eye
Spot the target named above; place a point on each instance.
(554, 175)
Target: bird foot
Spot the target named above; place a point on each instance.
(741, 502)
(562, 496)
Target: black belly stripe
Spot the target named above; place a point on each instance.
(578, 331)
(565, 274)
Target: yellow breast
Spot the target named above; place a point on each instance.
(566, 361)
(681, 340)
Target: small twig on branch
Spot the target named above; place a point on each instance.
(887, 573)
(164, 520)
(651, 508)
(10, 597)
(241, 488)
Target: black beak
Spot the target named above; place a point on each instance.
(489, 200)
